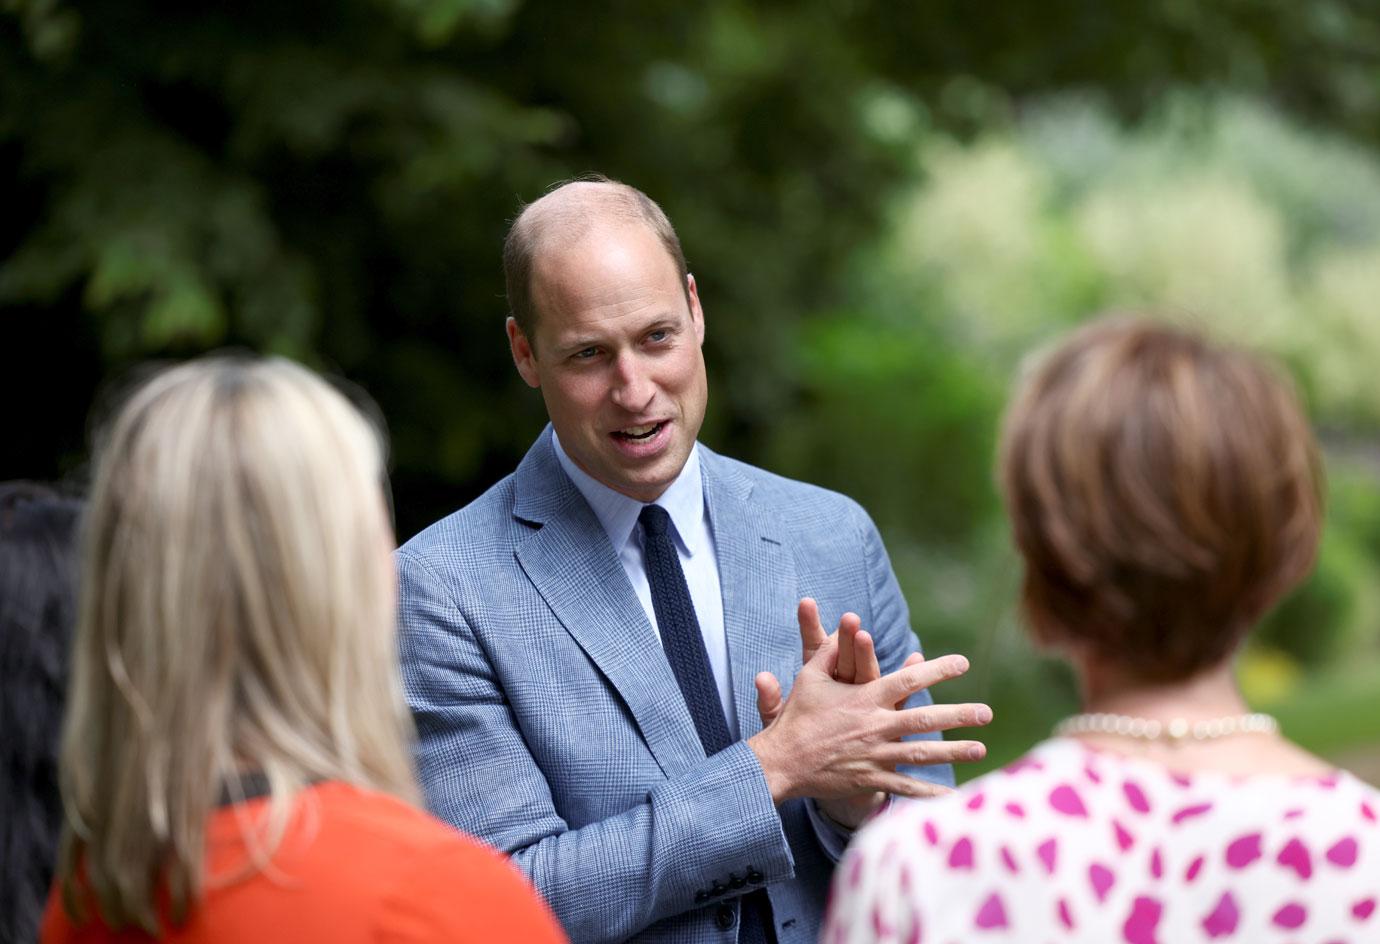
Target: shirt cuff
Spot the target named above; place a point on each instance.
(834, 837)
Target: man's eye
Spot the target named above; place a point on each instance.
(585, 354)
(661, 334)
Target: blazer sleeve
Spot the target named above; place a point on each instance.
(892, 634)
(606, 880)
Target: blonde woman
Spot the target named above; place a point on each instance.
(1164, 494)
(236, 759)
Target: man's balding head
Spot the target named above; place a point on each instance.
(564, 216)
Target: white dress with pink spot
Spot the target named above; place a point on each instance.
(1072, 844)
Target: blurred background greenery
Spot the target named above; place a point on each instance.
(886, 206)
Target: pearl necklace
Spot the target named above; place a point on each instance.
(1174, 731)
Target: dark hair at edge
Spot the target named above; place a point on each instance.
(38, 565)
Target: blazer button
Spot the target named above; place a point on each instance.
(718, 891)
(701, 896)
(735, 880)
(754, 876)
(724, 917)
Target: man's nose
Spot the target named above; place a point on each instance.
(633, 388)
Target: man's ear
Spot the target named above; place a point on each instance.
(696, 311)
(524, 358)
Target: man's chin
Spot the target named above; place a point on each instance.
(647, 484)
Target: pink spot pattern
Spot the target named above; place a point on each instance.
(1290, 916)
(1064, 799)
(961, 856)
(1224, 917)
(1135, 796)
(1102, 879)
(1295, 856)
(1145, 917)
(1083, 846)
(992, 914)
(855, 873)
(880, 926)
(1343, 854)
(1188, 812)
(1243, 851)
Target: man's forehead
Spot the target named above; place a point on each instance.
(603, 260)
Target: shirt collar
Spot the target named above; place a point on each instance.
(683, 501)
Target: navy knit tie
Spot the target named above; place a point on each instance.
(680, 630)
(684, 645)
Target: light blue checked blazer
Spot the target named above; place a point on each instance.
(551, 725)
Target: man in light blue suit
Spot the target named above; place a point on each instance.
(595, 649)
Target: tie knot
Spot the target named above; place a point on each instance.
(655, 521)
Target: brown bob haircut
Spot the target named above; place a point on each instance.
(1164, 491)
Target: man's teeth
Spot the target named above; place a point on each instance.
(639, 432)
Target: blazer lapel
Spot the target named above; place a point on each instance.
(758, 576)
(572, 565)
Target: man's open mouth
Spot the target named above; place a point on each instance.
(639, 433)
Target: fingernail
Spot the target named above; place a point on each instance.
(984, 714)
(976, 752)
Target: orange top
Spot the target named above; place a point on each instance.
(354, 866)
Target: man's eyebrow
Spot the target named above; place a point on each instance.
(577, 342)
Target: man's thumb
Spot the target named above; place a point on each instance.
(768, 697)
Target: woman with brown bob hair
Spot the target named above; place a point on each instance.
(1164, 493)
(236, 761)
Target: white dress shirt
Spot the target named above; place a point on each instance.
(694, 539)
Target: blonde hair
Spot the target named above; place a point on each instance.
(237, 614)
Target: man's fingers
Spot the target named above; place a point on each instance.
(924, 753)
(915, 658)
(906, 681)
(826, 657)
(811, 629)
(931, 718)
(768, 697)
(849, 627)
(865, 666)
(901, 785)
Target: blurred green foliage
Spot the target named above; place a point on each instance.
(885, 205)
(1213, 211)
